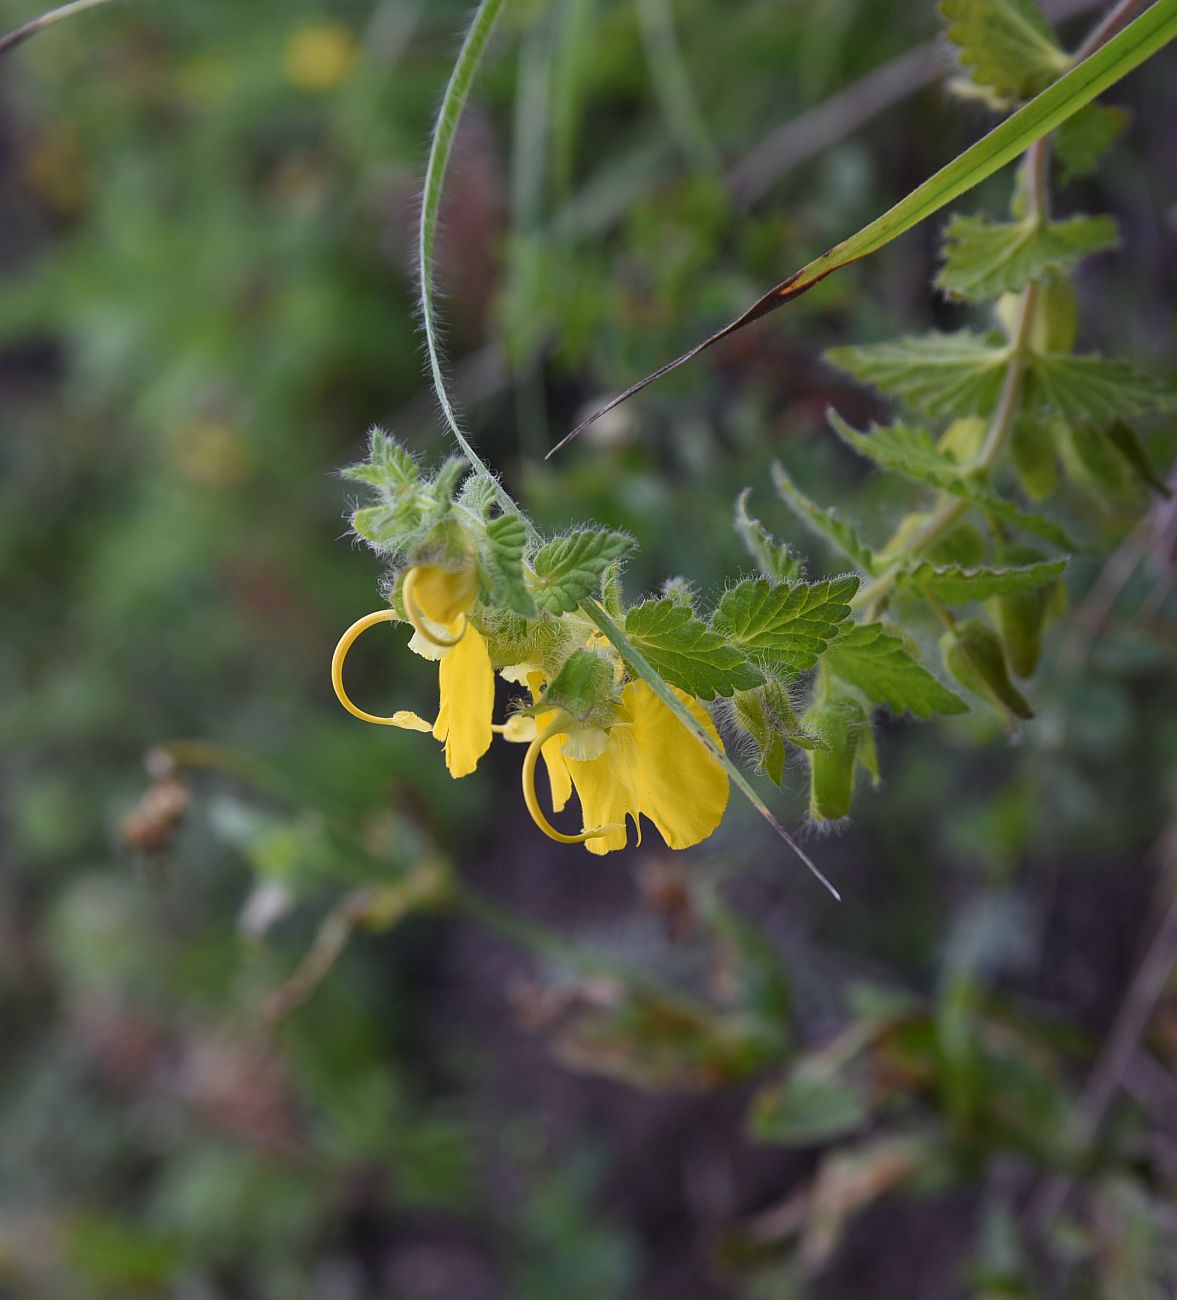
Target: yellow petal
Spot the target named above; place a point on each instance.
(443, 594)
(605, 796)
(682, 787)
(410, 721)
(552, 753)
(467, 703)
(653, 767)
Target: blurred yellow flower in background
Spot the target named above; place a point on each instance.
(320, 56)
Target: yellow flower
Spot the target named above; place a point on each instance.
(436, 601)
(648, 764)
(319, 56)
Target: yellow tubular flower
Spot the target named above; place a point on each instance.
(436, 601)
(649, 766)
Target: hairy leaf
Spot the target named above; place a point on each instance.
(1006, 45)
(569, 569)
(943, 376)
(687, 652)
(823, 521)
(1095, 388)
(1082, 140)
(956, 585)
(786, 626)
(388, 465)
(881, 665)
(774, 558)
(901, 449)
(984, 259)
(1028, 521)
(502, 565)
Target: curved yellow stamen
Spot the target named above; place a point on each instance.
(346, 641)
(417, 619)
(531, 799)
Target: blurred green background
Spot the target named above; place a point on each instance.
(534, 1082)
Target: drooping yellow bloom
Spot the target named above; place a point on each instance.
(436, 601)
(649, 765)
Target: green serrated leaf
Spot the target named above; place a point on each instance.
(502, 565)
(570, 569)
(774, 558)
(956, 586)
(1096, 388)
(901, 449)
(1082, 140)
(687, 652)
(1029, 522)
(388, 465)
(823, 521)
(943, 376)
(881, 665)
(910, 453)
(1006, 45)
(984, 259)
(787, 626)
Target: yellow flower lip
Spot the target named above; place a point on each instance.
(402, 717)
(418, 619)
(531, 799)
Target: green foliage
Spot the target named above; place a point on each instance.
(785, 627)
(582, 682)
(882, 664)
(1082, 140)
(1007, 46)
(570, 569)
(501, 560)
(808, 1107)
(984, 259)
(957, 586)
(942, 376)
(974, 655)
(688, 653)
(847, 741)
(1097, 389)
(766, 716)
(822, 521)
(902, 450)
(774, 559)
